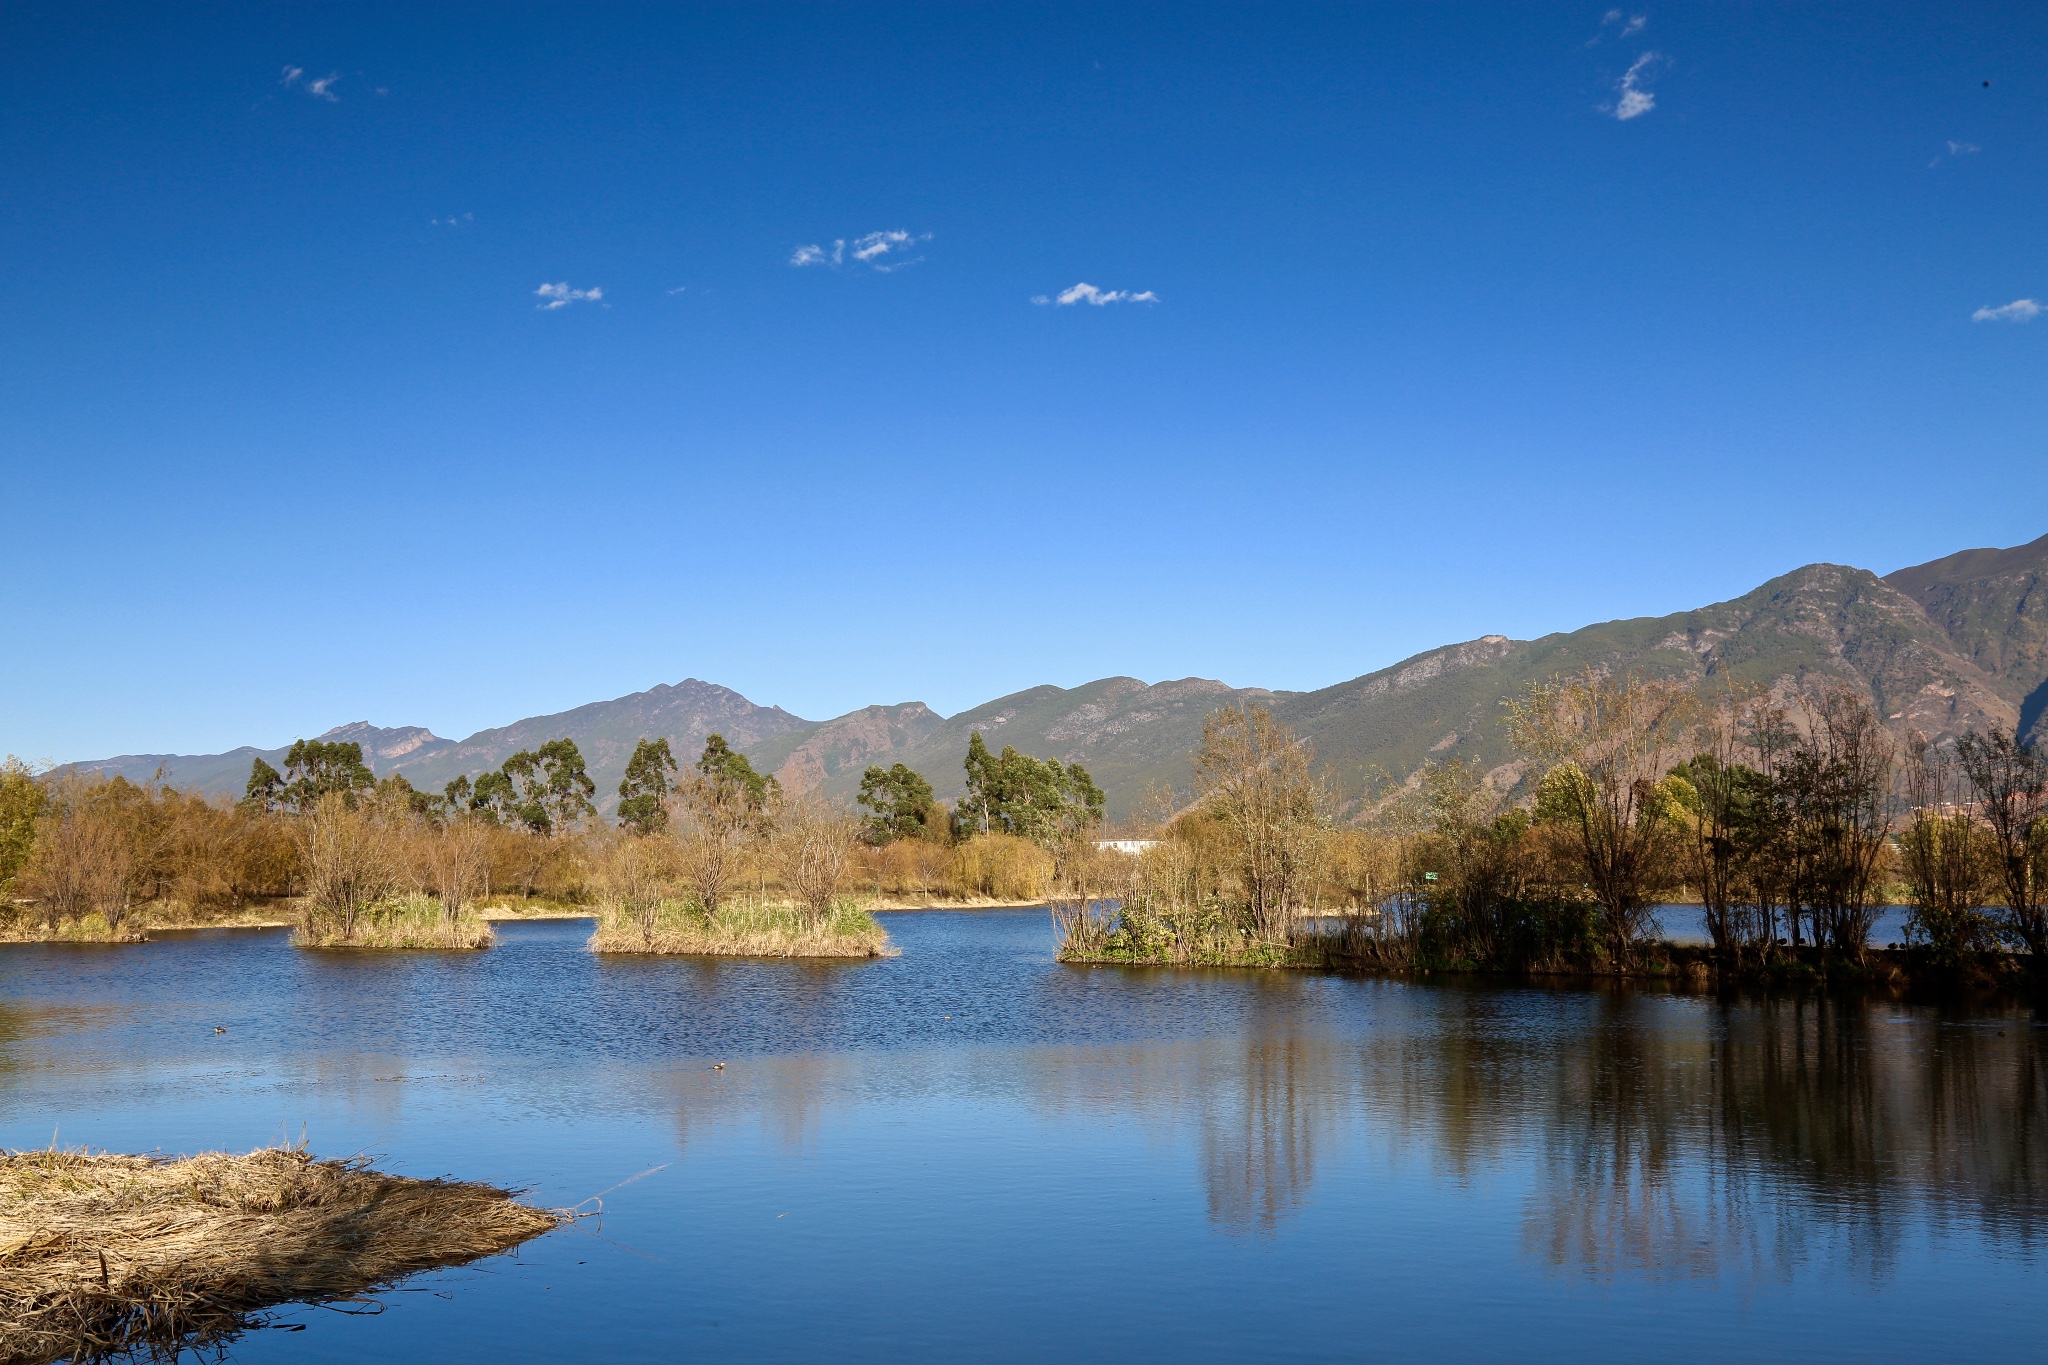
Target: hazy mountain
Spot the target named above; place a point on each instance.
(1958, 643)
(228, 774)
(604, 731)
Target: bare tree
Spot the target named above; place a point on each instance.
(720, 816)
(812, 847)
(2011, 784)
(634, 874)
(1835, 789)
(83, 859)
(458, 863)
(1253, 777)
(1942, 854)
(1607, 744)
(349, 867)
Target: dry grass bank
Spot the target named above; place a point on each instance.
(414, 922)
(898, 903)
(24, 925)
(538, 907)
(742, 929)
(103, 1254)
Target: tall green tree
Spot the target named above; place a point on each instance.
(551, 789)
(901, 803)
(1042, 800)
(643, 791)
(733, 777)
(313, 768)
(266, 787)
(22, 799)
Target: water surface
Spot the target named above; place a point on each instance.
(971, 1152)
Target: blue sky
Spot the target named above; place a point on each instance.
(1438, 343)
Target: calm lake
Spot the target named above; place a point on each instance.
(972, 1153)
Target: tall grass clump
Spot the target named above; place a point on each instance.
(742, 927)
(650, 888)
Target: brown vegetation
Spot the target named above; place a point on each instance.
(104, 1255)
(648, 888)
(1791, 824)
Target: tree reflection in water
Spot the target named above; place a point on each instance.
(1664, 1137)
(1767, 1134)
(1659, 1136)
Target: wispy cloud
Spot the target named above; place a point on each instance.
(1618, 25)
(882, 251)
(561, 296)
(1635, 101)
(1088, 293)
(2019, 310)
(1954, 149)
(678, 289)
(323, 89)
(453, 220)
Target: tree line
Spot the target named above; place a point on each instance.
(1792, 822)
(322, 831)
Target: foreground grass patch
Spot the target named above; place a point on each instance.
(741, 929)
(414, 922)
(21, 927)
(103, 1254)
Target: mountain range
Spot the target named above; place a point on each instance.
(1939, 648)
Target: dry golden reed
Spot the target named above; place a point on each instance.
(743, 929)
(103, 1255)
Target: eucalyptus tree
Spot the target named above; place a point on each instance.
(644, 790)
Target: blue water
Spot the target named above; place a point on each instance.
(972, 1153)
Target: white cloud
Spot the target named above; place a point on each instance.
(1636, 101)
(880, 251)
(1088, 293)
(2019, 310)
(1625, 25)
(322, 89)
(561, 296)
(1963, 148)
(453, 220)
(678, 289)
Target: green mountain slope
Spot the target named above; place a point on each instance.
(1126, 733)
(1822, 621)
